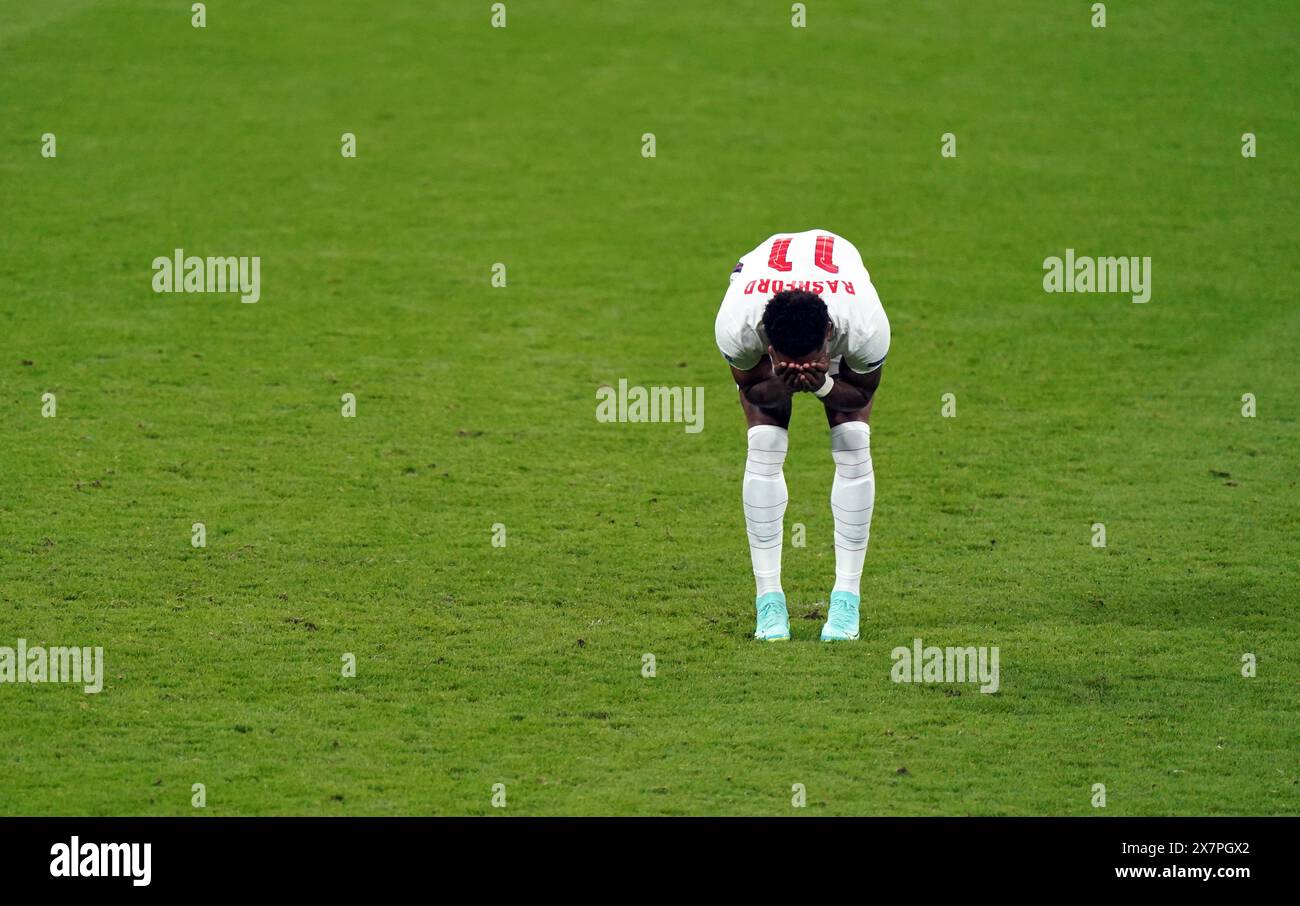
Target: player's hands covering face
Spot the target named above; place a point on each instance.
(803, 377)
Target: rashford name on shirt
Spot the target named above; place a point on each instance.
(763, 287)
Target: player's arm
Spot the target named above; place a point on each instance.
(852, 391)
(761, 385)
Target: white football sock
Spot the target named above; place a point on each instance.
(764, 495)
(853, 495)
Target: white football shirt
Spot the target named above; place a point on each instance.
(817, 261)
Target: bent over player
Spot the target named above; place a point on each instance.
(801, 316)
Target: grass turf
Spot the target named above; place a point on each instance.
(521, 665)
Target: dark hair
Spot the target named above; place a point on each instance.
(795, 322)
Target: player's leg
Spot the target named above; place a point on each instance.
(763, 493)
(853, 496)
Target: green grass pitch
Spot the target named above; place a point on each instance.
(522, 665)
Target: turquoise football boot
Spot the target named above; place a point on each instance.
(842, 619)
(773, 620)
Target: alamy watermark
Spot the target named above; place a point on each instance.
(932, 664)
(1084, 274)
(192, 274)
(683, 405)
(52, 665)
(75, 859)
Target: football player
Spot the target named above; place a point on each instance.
(801, 316)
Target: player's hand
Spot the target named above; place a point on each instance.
(822, 363)
(814, 372)
(814, 376)
(789, 375)
(803, 377)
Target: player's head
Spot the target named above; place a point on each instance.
(797, 325)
